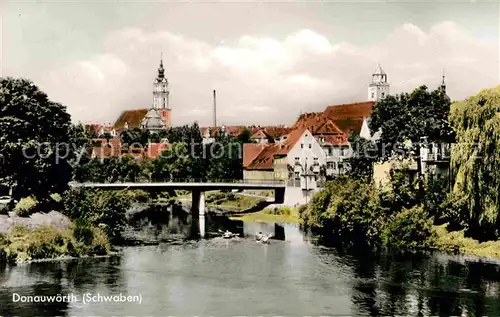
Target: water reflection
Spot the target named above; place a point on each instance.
(290, 276)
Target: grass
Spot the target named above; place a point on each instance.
(263, 193)
(284, 214)
(456, 242)
(231, 200)
(22, 244)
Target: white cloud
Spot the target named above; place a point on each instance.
(263, 80)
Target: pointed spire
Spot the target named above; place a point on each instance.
(443, 84)
(161, 70)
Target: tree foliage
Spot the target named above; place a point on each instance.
(365, 154)
(475, 159)
(34, 133)
(411, 117)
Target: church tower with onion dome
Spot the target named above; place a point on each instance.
(159, 116)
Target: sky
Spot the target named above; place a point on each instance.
(268, 60)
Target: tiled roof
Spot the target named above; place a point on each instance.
(333, 140)
(311, 121)
(273, 132)
(260, 134)
(352, 110)
(133, 117)
(251, 151)
(348, 125)
(291, 139)
(264, 160)
(336, 119)
(232, 130)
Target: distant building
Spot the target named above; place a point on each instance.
(298, 158)
(154, 119)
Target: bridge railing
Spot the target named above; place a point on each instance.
(208, 181)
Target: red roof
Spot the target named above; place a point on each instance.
(334, 120)
(265, 158)
(352, 110)
(132, 117)
(291, 139)
(251, 151)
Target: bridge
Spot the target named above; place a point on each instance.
(197, 188)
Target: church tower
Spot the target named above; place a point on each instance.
(379, 88)
(161, 95)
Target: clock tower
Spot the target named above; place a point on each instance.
(161, 95)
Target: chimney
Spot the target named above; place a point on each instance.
(215, 109)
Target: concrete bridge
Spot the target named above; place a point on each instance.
(197, 188)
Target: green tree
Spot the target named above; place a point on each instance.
(34, 135)
(365, 154)
(421, 116)
(475, 160)
(245, 136)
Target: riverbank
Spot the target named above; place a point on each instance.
(23, 244)
(268, 215)
(456, 242)
(355, 213)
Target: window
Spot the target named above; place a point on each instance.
(302, 145)
(329, 165)
(373, 95)
(310, 146)
(296, 159)
(342, 152)
(297, 175)
(383, 95)
(315, 159)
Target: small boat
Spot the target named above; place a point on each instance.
(262, 238)
(228, 234)
(265, 239)
(259, 236)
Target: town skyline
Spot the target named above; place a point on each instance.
(264, 72)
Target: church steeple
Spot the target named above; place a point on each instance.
(160, 89)
(443, 85)
(379, 88)
(161, 70)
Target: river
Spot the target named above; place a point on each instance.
(291, 276)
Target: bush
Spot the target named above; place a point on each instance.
(101, 208)
(346, 208)
(409, 230)
(285, 211)
(26, 206)
(81, 239)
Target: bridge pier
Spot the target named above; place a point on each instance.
(198, 207)
(198, 202)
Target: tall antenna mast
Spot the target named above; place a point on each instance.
(215, 110)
